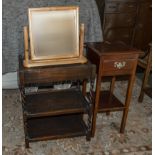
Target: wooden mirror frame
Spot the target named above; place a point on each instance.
(30, 61)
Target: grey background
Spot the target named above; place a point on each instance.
(15, 16)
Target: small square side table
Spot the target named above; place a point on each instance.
(112, 60)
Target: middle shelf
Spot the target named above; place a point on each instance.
(55, 103)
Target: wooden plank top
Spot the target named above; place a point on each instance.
(104, 48)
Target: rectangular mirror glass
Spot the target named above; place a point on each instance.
(54, 32)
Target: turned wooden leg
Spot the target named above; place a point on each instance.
(111, 92)
(127, 103)
(90, 107)
(25, 131)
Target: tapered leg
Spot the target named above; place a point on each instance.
(146, 74)
(97, 96)
(111, 91)
(127, 103)
(144, 82)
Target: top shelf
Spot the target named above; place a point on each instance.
(55, 103)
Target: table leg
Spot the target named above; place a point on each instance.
(146, 75)
(97, 96)
(25, 130)
(111, 92)
(144, 82)
(127, 103)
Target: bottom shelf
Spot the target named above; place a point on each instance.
(56, 127)
(104, 105)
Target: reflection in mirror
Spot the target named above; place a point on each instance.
(54, 33)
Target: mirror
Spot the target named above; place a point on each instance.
(54, 32)
(54, 37)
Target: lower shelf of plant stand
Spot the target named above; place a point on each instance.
(105, 105)
(53, 127)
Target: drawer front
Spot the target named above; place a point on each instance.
(118, 66)
(112, 7)
(58, 74)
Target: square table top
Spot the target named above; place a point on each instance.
(105, 48)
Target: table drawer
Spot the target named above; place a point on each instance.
(118, 66)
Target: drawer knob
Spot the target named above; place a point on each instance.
(119, 65)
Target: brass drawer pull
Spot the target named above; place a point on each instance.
(119, 65)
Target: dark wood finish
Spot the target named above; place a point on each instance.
(112, 85)
(57, 73)
(112, 60)
(146, 64)
(56, 127)
(148, 91)
(126, 21)
(55, 103)
(50, 113)
(84, 87)
(143, 26)
(107, 49)
(108, 102)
